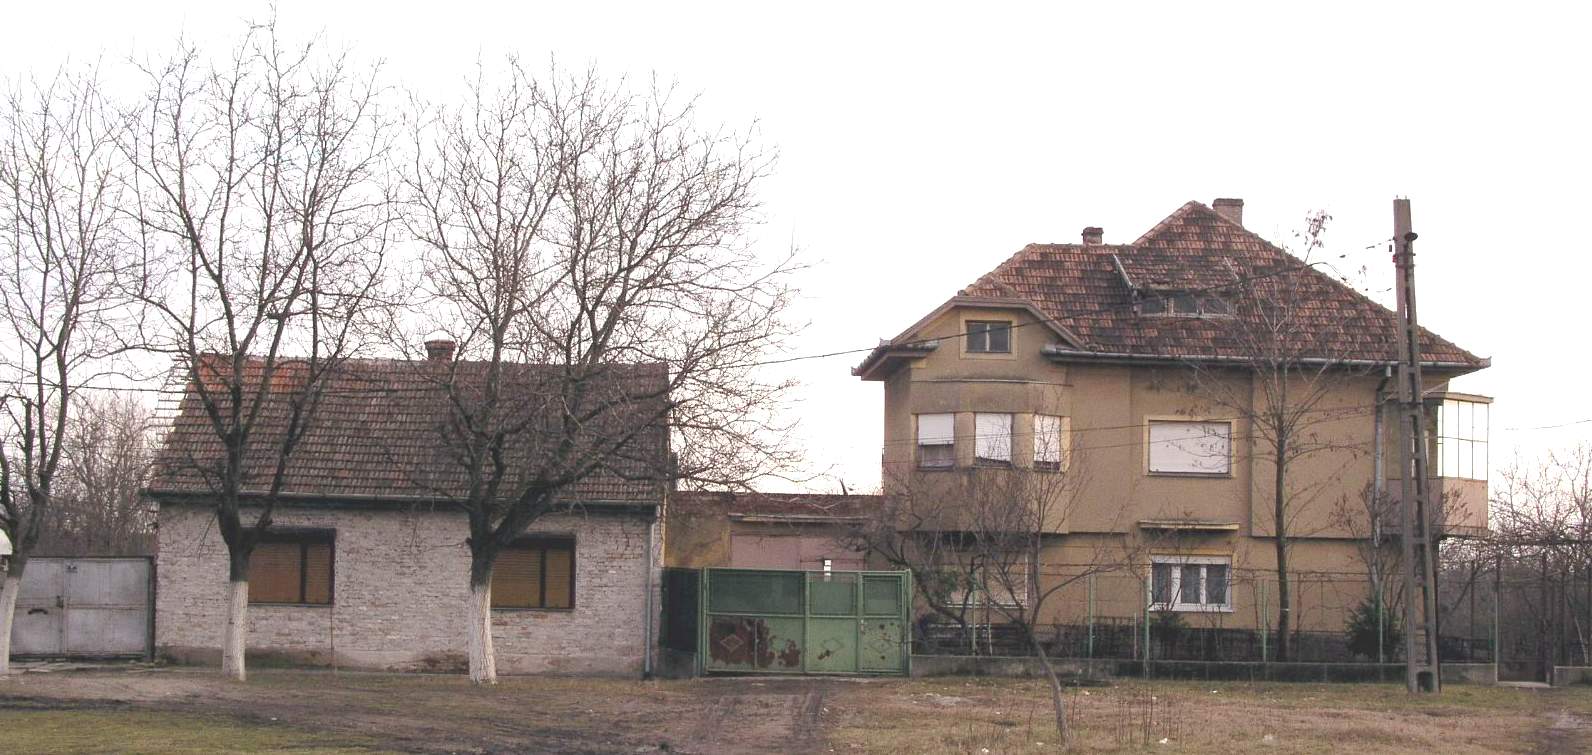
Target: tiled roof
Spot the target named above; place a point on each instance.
(1086, 290)
(803, 505)
(381, 433)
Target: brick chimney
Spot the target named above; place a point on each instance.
(1232, 209)
(1093, 236)
(440, 349)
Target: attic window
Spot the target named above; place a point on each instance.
(989, 336)
(1183, 303)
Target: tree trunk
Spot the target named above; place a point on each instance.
(1279, 492)
(1056, 699)
(237, 631)
(8, 611)
(483, 663)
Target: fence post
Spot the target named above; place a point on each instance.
(1089, 652)
(1263, 620)
(1146, 614)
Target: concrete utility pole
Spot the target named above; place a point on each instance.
(1416, 537)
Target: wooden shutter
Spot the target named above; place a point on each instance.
(517, 578)
(275, 573)
(560, 577)
(318, 573)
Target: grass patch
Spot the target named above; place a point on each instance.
(131, 731)
(999, 716)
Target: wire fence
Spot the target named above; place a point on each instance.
(1335, 620)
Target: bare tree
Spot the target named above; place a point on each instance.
(265, 213)
(101, 509)
(1285, 377)
(1542, 522)
(981, 544)
(61, 192)
(585, 246)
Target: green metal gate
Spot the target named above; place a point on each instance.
(800, 622)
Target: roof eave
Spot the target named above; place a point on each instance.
(1060, 354)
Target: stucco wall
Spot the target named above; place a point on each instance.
(401, 585)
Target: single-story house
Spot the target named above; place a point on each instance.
(366, 563)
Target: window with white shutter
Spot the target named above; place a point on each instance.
(936, 440)
(1050, 442)
(1195, 448)
(994, 445)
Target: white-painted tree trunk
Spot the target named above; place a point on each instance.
(8, 611)
(237, 631)
(483, 664)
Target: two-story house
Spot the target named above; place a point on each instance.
(1142, 370)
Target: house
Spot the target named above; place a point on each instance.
(805, 531)
(366, 563)
(1127, 367)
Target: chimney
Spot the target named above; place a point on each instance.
(440, 350)
(1093, 236)
(1232, 209)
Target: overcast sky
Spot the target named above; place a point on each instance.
(922, 145)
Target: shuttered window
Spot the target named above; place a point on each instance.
(293, 567)
(535, 573)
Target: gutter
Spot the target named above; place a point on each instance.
(367, 500)
(1063, 354)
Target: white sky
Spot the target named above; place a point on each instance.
(920, 146)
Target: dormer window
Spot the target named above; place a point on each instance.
(1182, 303)
(989, 336)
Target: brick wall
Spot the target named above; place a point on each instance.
(401, 585)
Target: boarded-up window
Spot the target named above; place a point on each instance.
(535, 573)
(293, 567)
(1191, 447)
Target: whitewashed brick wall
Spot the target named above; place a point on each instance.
(401, 584)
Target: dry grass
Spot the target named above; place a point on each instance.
(1003, 716)
(188, 710)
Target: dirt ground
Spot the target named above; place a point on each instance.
(162, 710)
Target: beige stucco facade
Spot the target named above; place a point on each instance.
(1117, 508)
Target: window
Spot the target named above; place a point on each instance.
(535, 573)
(1196, 448)
(1050, 442)
(1194, 583)
(293, 567)
(936, 440)
(989, 336)
(994, 443)
(1182, 303)
(1462, 439)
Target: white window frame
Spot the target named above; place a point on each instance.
(1462, 444)
(992, 441)
(1050, 439)
(1176, 604)
(936, 438)
(1171, 469)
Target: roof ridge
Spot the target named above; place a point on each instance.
(1166, 221)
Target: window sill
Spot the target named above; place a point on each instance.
(289, 605)
(992, 464)
(936, 467)
(516, 609)
(1193, 475)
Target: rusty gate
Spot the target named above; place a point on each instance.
(804, 622)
